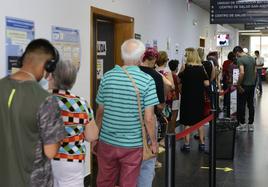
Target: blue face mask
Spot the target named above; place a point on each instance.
(44, 83)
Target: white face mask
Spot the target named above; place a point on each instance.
(44, 83)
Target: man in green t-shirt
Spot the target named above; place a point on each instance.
(245, 88)
(31, 126)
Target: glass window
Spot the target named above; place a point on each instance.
(255, 44)
(264, 49)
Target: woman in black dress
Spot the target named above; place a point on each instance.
(193, 82)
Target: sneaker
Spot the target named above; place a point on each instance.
(185, 148)
(201, 147)
(242, 127)
(250, 127)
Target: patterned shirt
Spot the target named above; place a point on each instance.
(121, 124)
(75, 114)
(29, 119)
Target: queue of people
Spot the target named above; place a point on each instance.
(43, 132)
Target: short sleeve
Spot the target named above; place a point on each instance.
(50, 121)
(160, 89)
(239, 62)
(150, 96)
(100, 98)
(204, 74)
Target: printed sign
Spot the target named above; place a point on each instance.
(235, 76)
(99, 68)
(19, 33)
(101, 48)
(137, 36)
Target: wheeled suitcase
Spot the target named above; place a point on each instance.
(225, 138)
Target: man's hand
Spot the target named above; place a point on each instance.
(240, 89)
(154, 147)
(94, 147)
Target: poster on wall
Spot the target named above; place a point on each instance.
(147, 44)
(19, 33)
(99, 68)
(155, 44)
(101, 48)
(67, 41)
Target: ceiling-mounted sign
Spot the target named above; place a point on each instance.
(238, 11)
(256, 26)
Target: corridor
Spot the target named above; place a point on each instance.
(250, 164)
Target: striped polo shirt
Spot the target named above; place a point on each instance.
(121, 124)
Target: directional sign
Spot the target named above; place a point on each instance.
(226, 169)
(238, 11)
(258, 26)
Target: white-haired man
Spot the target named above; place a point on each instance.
(120, 145)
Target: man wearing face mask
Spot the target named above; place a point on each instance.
(30, 123)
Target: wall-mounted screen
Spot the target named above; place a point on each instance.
(223, 40)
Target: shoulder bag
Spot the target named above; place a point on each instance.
(147, 153)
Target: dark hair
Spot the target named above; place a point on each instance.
(173, 64)
(213, 59)
(40, 46)
(231, 56)
(258, 52)
(237, 49)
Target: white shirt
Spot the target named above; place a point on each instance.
(259, 61)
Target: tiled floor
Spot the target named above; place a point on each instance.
(250, 163)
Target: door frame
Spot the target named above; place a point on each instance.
(124, 29)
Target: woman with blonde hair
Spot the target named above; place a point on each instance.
(193, 81)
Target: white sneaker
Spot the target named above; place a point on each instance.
(250, 127)
(242, 127)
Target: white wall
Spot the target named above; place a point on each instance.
(154, 19)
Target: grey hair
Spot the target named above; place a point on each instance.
(132, 51)
(64, 75)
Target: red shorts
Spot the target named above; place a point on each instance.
(118, 165)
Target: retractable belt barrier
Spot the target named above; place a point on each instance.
(171, 139)
(228, 90)
(194, 127)
(204, 121)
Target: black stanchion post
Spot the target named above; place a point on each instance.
(228, 95)
(170, 141)
(212, 141)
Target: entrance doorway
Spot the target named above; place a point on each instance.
(108, 31)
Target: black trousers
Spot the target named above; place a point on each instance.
(243, 99)
(226, 97)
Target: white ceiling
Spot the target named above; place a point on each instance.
(205, 4)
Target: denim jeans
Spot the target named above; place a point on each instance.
(247, 97)
(147, 173)
(259, 81)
